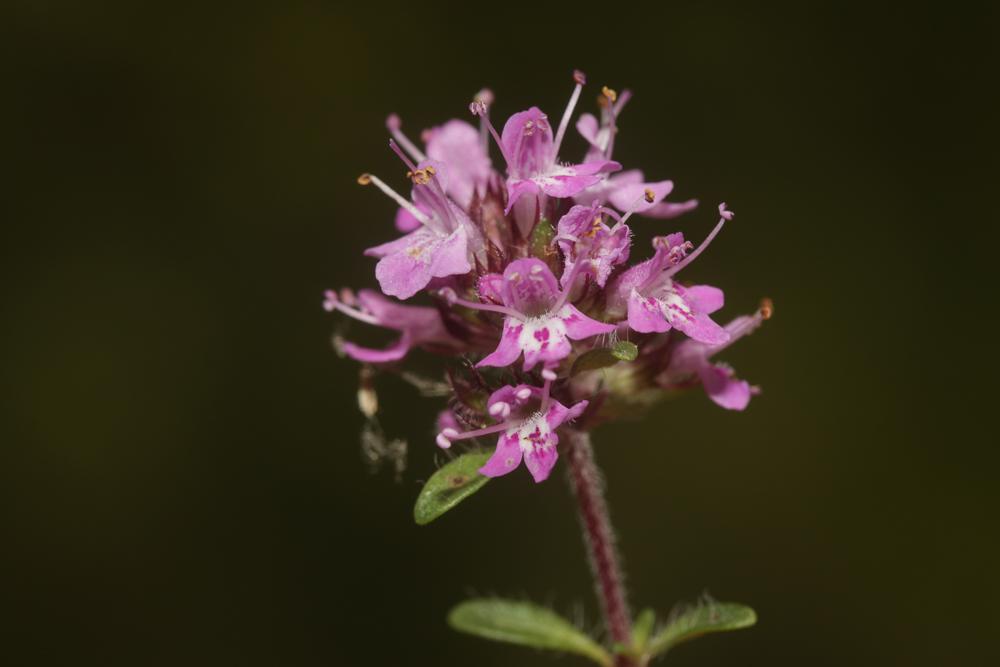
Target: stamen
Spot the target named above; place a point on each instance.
(479, 108)
(580, 78)
(548, 375)
(485, 96)
(500, 410)
(523, 394)
(449, 435)
(647, 195)
(766, 309)
(726, 215)
(365, 179)
(623, 99)
(332, 303)
(574, 272)
(449, 295)
(393, 124)
(610, 96)
(402, 156)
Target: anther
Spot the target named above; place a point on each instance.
(500, 410)
(579, 77)
(766, 309)
(649, 195)
(330, 300)
(549, 375)
(449, 295)
(523, 394)
(485, 96)
(478, 107)
(609, 94)
(444, 438)
(365, 179)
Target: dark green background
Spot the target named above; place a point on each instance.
(184, 484)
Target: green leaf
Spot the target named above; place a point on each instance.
(642, 629)
(603, 357)
(526, 624)
(700, 620)
(623, 350)
(450, 485)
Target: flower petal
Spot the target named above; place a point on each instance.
(579, 326)
(368, 355)
(457, 144)
(645, 314)
(517, 189)
(544, 339)
(529, 286)
(668, 209)
(527, 142)
(633, 196)
(724, 388)
(506, 457)
(508, 350)
(411, 262)
(588, 127)
(406, 221)
(539, 459)
(705, 298)
(558, 414)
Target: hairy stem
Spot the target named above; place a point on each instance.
(588, 487)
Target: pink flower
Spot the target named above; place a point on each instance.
(693, 358)
(439, 248)
(528, 418)
(539, 322)
(584, 238)
(655, 302)
(419, 326)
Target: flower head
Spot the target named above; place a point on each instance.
(526, 279)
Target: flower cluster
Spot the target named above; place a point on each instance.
(526, 282)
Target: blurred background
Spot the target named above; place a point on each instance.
(183, 480)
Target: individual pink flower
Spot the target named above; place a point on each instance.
(693, 359)
(419, 326)
(539, 322)
(532, 153)
(528, 418)
(439, 248)
(456, 145)
(655, 302)
(585, 238)
(528, 147)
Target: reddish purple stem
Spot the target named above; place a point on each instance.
(588, 487)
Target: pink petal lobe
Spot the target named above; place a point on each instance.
(725, 390)
(508, 349)
(645, 314)
(506, 457)
(579, 326)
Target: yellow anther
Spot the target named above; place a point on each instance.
(766, 309)
(364, 179)
(649, 195)
(609, 93)
(421, 176)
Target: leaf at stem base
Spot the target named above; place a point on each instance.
(526, 624)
